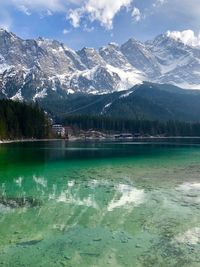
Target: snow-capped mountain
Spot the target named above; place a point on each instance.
(32, 69)
(179, 63)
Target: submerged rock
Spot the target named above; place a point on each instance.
(19, 202)
(67, 258)
(29, 243)
(97, 239)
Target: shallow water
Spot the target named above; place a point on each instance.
(100, 204)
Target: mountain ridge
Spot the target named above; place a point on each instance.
(38, 68)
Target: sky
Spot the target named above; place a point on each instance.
(94, 23)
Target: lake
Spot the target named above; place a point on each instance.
(100, 204)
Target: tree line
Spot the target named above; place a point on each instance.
(20, 120)
(143, 127)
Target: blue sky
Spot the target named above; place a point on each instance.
(93, 23)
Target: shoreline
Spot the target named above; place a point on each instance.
(26, 140)
(98, 139)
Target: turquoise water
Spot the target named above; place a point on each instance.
(100, 204)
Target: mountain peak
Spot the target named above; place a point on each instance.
(186, 37)
(47, 41)
(132, 41)
(87, 49)
(4, 32)
(90, 57)
(36, 68)
(113, 44)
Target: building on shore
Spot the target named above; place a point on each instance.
(124, 136)
(59, 130)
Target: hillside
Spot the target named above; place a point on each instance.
(147, 101)
(19, 120)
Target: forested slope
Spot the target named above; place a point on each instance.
(20, 120)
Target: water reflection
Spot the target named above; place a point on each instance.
(100, 204)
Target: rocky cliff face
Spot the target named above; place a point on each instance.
(32, 69)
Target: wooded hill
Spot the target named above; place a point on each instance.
(135, 126)
(147, 101)
(20, 120)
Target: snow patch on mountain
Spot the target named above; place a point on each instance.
(126, 94)
(18, 96)
(40, 94)
(106, 107)
(31, 69)
(127, 78)
(188, 86)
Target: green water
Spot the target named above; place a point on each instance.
(100, 204)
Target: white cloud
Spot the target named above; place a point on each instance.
(28, 6)
(75, 17)
(187, 37)
(87, 29)
(103, 11)
(65, 31)
(5, 19)
(158, 3)
(4, 25)
(24, 10)
(136, 14)
(38, 5)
